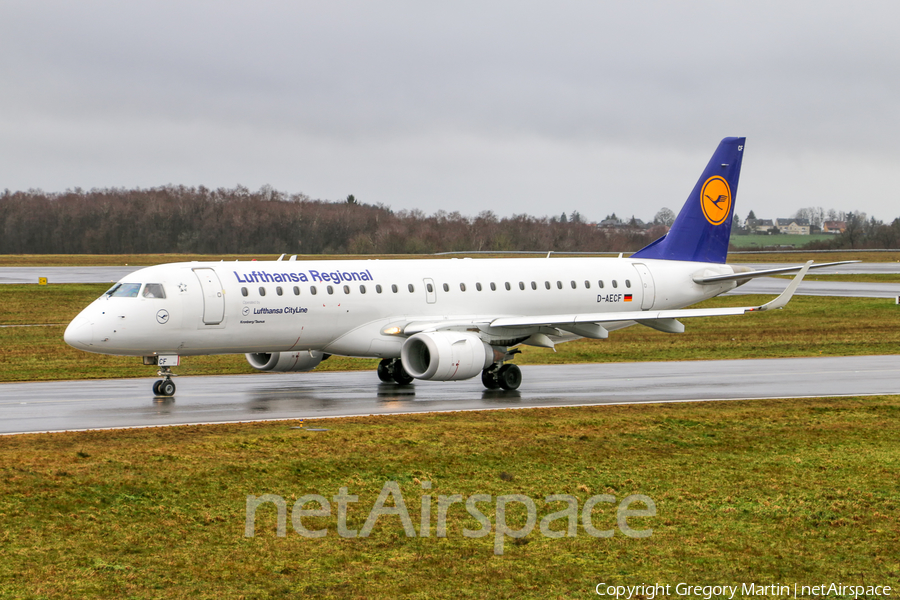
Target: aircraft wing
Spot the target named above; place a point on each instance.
(765, 273)
(658, 319)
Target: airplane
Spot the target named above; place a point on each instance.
(431, 319)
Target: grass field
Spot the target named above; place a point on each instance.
(809, 326)
(781, 239)
(745, 492)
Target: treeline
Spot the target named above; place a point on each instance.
(225, 221)
(862, 234)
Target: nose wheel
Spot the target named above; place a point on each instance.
(165, 386)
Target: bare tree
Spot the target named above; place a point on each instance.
(665, 217)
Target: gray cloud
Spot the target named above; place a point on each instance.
(595, 107)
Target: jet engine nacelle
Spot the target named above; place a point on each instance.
(445, 355)
(285, 361)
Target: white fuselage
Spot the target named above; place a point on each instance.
(345, 307)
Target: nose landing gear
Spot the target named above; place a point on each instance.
(165, 386)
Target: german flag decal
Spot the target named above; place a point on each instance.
(627, 297)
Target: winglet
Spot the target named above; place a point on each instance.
(788, 293)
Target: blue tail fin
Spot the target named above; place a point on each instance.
(701, 230)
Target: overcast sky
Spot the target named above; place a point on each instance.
(513, 107)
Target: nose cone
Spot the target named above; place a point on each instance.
(80, 333)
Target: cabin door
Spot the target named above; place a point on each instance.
(648, 290)
(213, 296)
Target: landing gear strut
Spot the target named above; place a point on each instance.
(507, 377)
(390, 370)
(165, 386)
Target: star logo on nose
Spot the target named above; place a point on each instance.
(182, 287)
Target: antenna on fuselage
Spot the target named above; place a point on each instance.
(549, 253)
(280, 257)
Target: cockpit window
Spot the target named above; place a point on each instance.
(154, 290)
(124, 290)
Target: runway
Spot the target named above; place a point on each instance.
(77, 405)
(762, 285)
(856, 289)
(115, 273)
(65, 274)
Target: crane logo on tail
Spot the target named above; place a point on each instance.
(715, 199)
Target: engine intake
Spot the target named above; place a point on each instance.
(286, 361)
(446, 355)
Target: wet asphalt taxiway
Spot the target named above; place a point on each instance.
(75, 405)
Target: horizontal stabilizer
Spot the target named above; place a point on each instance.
(765, 273)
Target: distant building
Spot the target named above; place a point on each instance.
(795, 226)
(613, 223)
(834, 227)
(759, 225)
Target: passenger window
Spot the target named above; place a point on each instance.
(493, 287)
(615, 283)
(587, 284)
(244, 292)
(411, 288)
(507, 286)
(628, 283)
(279, 291)
(296, 290)
(559, 285)
(262, 291)
(313, 290)
(574, 286)
(430, 288)
(522, 285)
(547, 284)
(154, 290)
(124, 290)
(462, 287)
(600, 283)
(446, 288)
(378, 288)
(394, 287)
(346, 289)
(534, 285)
(362, 289)
(477, 286)
(330, 290)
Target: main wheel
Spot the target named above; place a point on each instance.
(400, 375)
(156, 385)
(384, 371)
(167, 387)
(489, 379)
(509, 377)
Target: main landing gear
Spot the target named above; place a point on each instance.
(390, 370)
(165, 386)
(507, 377)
